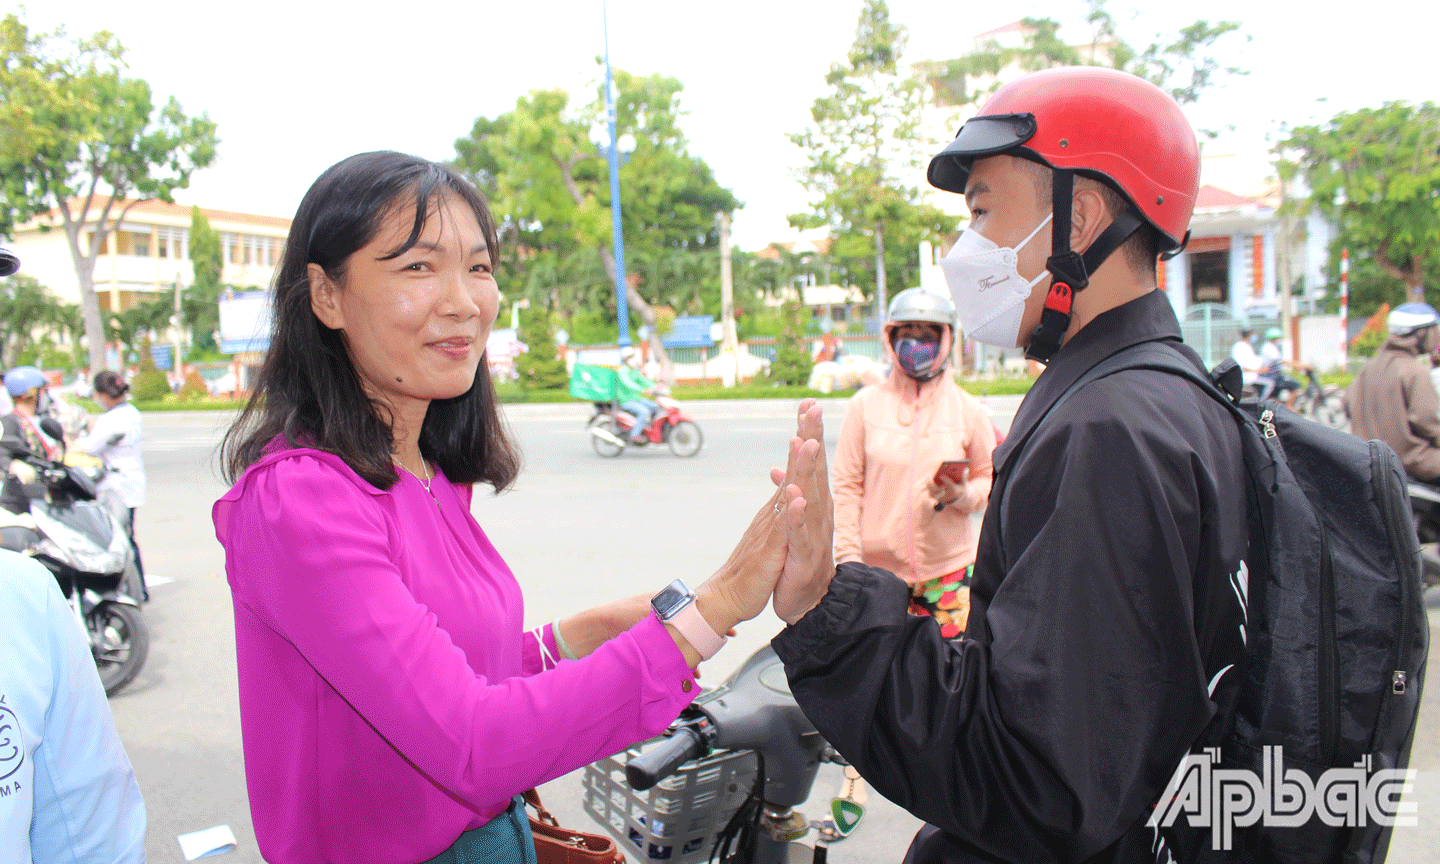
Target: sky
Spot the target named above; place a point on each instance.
(296, 86)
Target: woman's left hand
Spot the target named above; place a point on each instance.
(742, 586)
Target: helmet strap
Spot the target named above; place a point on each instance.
(1069, 270)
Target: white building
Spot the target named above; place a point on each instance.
(149, 254)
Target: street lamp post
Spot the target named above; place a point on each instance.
(622, 306)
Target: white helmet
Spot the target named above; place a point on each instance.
(917, 304)
(1409, 317)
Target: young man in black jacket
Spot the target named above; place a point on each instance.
(1108, 599)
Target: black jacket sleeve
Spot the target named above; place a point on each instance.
(1049, 734)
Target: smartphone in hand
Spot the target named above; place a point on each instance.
(955, 469)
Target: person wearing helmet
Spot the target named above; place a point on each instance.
(1105, 625)
(1392, 399)
(1277, 385)
(893, 509)
(634, 390)
(21, 437)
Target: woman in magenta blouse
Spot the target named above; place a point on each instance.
(392, 706)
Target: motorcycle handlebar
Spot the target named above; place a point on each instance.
(661, 761)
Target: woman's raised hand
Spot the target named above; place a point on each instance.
(743, 585)
(810, 547)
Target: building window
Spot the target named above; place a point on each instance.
(132, 243)
(1209, 276)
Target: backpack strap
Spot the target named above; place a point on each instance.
(1145, 355)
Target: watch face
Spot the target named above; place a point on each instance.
(671, 600)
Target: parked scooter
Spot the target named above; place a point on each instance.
(725, 779)
(610, 429)
(83, 538)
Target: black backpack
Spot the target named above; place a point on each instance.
(1337, 633)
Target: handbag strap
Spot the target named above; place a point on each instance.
(532, 798)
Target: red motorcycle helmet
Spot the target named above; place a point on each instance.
(1093, 122)
(1097, 122)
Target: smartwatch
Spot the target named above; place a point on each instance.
(676, 606)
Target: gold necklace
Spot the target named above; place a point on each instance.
(425, 482)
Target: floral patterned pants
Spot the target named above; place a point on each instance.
(946, 599)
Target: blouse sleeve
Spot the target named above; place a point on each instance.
(315, 554)
(847, 481)
(97, 440)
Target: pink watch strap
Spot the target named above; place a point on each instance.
(697, 631)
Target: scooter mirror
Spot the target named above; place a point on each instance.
(50, 426)
(9, 263)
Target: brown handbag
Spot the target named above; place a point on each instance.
(556, 845)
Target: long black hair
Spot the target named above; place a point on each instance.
(309, 391)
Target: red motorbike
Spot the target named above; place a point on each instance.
(610, 429)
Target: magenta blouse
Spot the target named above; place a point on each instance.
(389, 696)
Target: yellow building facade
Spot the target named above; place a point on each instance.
(148, 256)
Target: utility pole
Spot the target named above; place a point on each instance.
(1287, 231)
(175, 322)
(729, 344)
(882, 303)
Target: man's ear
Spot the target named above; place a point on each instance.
(1089, 216)
(324, 297)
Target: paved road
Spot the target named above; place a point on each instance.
(576, 529)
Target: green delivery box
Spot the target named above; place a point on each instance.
(593, 383)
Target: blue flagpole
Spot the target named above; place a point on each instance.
(622, 306)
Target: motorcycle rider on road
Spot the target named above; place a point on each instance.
(633, 381)
(1393, 400)
(20, 436)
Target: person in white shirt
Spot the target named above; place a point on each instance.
(67, 790)
(1243, 353)
(114, 438)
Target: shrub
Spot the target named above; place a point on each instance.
(150, 384)
(792, 362)
(194, 387)
(541, 367)
(1367, 343)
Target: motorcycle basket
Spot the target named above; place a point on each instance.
(677, 820)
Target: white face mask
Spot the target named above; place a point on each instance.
(988, 290)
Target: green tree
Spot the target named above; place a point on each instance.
(1375, 173)
(541, 367)
(549, 186)
(25, 305)
(91, 146)
(133, 326)
(67, 322)
(1184, 64)
(200, 302)
(862, 145)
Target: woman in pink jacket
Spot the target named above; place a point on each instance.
(392, 707)
(890, 511)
